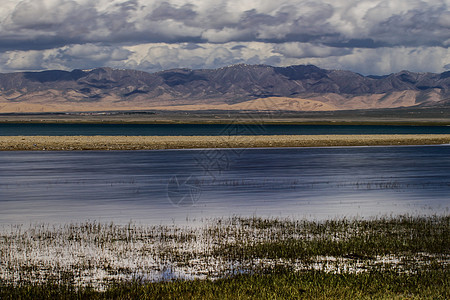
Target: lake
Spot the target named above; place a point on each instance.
(33, 129)
(178, 186)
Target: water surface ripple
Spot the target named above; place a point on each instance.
(172, 186)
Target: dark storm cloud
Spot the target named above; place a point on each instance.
(357, 43)
(165, 11)
(238, 47)
(290, 29)
(37, 25)
(70, 22)
(414, 28)
(191, 46)
(253, 19)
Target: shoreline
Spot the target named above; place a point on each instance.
(77, 143)
(437, 116)
(219, 121)
(225, 121)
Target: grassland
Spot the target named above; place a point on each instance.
(236, 258)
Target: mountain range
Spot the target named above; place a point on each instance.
(237, 87)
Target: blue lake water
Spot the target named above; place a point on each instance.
(173, 186)
(211, 129)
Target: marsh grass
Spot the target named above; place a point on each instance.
(391, 257)
(364, 239)
(277, 284)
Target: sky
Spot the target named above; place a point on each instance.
(366, 36)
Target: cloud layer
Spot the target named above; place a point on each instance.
(367, 36)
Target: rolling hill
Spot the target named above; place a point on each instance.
(237, 87)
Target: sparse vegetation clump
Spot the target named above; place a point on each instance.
(390, 257)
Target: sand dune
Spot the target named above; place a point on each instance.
(322, 102)
(261, 104)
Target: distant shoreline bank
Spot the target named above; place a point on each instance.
(236, 122)
(400, 116)
(77, 143)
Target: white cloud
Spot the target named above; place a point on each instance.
(307, 50)
(382, 61)
(163, 56)
(94, 53)
(25, 60)
(65, 58)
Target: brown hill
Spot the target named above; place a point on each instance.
(238, 87)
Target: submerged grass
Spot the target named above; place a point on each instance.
(346, 238)
(244, 258)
